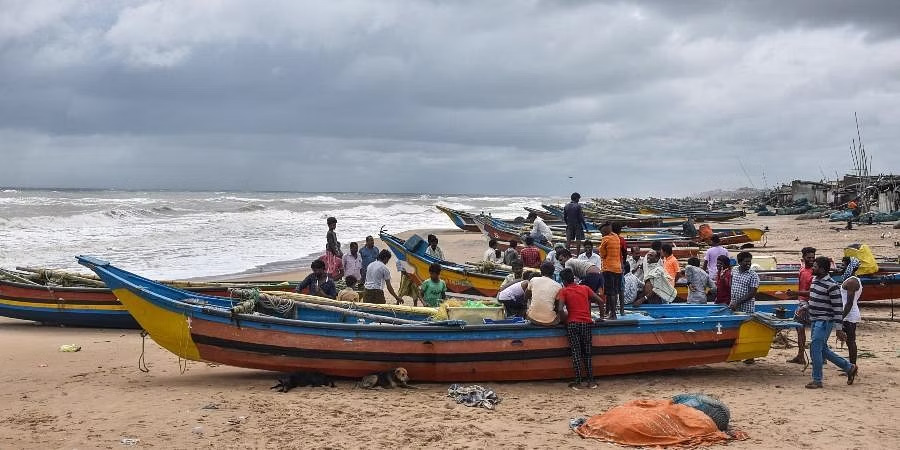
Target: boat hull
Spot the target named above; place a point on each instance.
(429, 352)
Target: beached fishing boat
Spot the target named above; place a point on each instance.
(465, 279)
(465, 221)
(436, 352)
(460, 278)
(727, 236)
(684, 248)
(633, 221)
(79, 306)
(71, 306)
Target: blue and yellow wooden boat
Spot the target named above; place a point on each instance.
(189, 326)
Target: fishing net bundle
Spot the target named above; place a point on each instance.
(266, 304)
(485, 266)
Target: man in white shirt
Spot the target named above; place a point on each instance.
(377, 275)
(493, 255)
(539, 230)
(589, 254)
(636, 262)
(540, 297)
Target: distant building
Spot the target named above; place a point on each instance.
(813, 192)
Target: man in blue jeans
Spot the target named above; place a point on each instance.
(825, 312)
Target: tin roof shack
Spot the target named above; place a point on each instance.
(780, 196)
(888, 191)
(814, 193)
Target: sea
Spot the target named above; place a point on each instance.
(182, 235)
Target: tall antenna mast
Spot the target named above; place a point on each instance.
(745, 173)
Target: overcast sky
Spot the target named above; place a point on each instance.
(506, 97)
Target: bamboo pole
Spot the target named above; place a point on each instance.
(44, 273)
(39, 270)
(250, 293)
(348, 312)
(16, 277)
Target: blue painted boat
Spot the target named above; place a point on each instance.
(196, 330)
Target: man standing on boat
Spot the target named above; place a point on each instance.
(801, 315)
(611, 253)
(826, 313)
(573, 216)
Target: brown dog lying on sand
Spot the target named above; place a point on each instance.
(389, 379)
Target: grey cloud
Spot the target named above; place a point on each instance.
(437, 96)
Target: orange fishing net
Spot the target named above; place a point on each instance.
(654, 423)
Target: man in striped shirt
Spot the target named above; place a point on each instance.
(825, 312)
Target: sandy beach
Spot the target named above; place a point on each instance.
(97, 397)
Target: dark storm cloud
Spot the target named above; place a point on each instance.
(434, 96)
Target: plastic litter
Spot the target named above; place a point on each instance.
(130, 441)
(474, 396)
(70, 348)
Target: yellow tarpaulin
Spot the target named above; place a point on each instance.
(867, 264)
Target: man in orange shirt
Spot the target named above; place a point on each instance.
(669, 262)
(611, 255)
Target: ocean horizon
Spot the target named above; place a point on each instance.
(169, 234)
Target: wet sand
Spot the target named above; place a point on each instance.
(97, 397)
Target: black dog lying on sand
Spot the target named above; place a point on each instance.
(397, 377)
(289, 381)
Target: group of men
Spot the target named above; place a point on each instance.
(334, 269)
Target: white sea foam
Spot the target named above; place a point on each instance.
(189, 234)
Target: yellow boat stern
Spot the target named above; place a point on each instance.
(169, 329)
(754, 340)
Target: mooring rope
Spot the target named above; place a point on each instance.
(142, 363)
